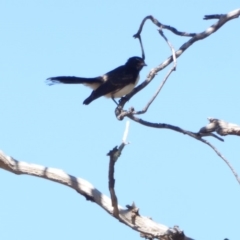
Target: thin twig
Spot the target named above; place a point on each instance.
(171, 47)
(125, 135)
(142, 49)
(160, 25)
(223, 158)
(219, 16)
(155, 95)
(213, 16)
(191, 134)
(211, 135)
(165, 79)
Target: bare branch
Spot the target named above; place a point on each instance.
(164, 81)
(114, 155)
(142, 224)
(224, 18)
(124, 140)
(197, 136)
(224, 159)
(160, 25)
(231, 15)
(223, 128)
(212, 135)
(155, 95)
(142, 49)
(171, 47)
(213, 16)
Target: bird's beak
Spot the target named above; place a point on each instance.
(144, 64)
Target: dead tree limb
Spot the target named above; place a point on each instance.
(223, 18)
(114, 154)
(141, 224)
(221, 127)
(196, 136)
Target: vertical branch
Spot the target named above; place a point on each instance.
(114, 155)
(171, 47)
(142, 49)
(165, 79)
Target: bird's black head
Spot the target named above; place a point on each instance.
(136, 62)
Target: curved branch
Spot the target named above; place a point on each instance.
(160, 25)
(197, 136)
(224, 18)
(142, 224)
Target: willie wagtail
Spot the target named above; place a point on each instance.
(115, 84)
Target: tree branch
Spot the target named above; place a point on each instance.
(163, 26)
(142, 224)
(197, 136)
(222, 127)
(224, 18)
(164, 81)
(114, 155)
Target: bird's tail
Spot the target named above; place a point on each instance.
(73, 80)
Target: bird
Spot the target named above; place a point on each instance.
(114, 84)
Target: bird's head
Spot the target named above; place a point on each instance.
(136, 62)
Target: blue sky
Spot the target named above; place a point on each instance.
(171, 177)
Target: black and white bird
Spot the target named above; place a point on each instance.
(114, 84)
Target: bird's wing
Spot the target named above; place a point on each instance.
(114, 81)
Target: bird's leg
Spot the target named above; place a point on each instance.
(114, 100)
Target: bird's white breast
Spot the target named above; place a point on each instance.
(123, 91)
